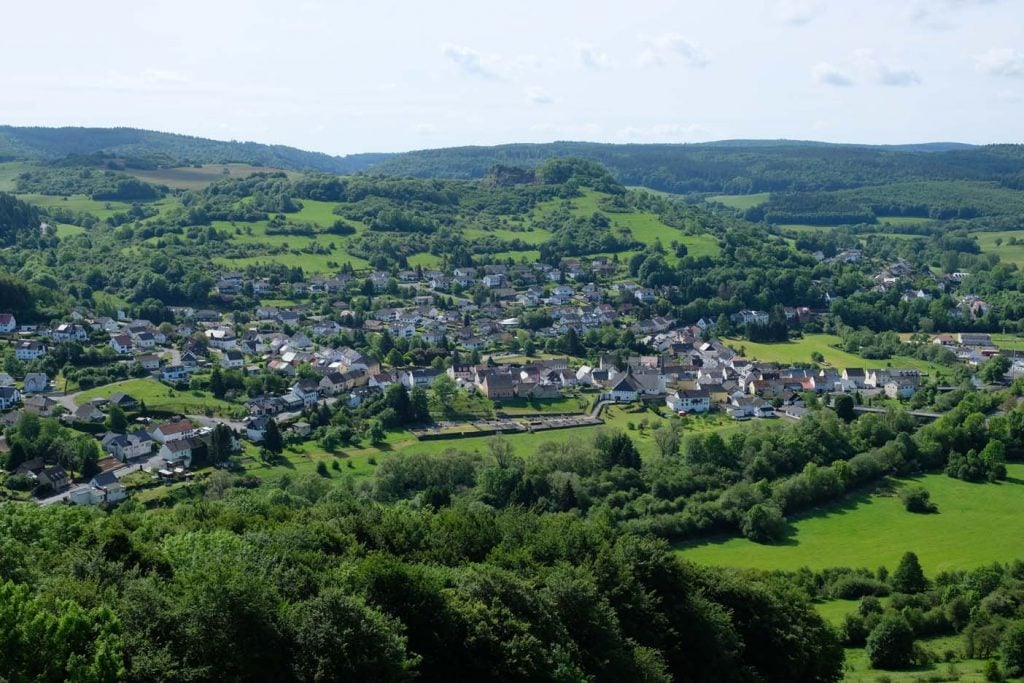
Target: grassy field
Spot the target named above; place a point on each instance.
(740, 202)
(976, 524)
(193, 178)
(531, 236)
(799, 351)
(1008, 253)
(645, 226)
(78, 202)
(9, 172)
(288, 248)
(158, 396)
(65, 230)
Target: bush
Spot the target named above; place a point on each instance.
(854, 587)
(917, 499)
(321, 469)
(854, 630)
(764, 523)
(18, 482)
(891, 644)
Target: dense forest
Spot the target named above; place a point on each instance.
(149, 148)
(306, 582)
(19, 222)
(734, 167)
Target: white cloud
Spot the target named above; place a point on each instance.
(828, 74)
(424, 129)
(1005, 61)
(472, 63)
(795, 12)
(538, 96)
(882, 73)
(589, 57)
(671, 47)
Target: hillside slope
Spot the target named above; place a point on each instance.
(735, 167)
(166, 149)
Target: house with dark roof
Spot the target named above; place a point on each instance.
(498, 386)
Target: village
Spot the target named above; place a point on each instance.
(500, 334)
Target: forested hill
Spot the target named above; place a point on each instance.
(151, 148)
(738, 166)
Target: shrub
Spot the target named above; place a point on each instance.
(321, 469)
(890, 645)
(917, 499)
(854, 587)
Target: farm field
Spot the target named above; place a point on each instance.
(1008, 253)
(161, 397)
(976, 524)
(800, 350)
(740, 202)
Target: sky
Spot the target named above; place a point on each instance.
(345, 77)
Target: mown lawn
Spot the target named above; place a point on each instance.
(159, 396)
(976, 524)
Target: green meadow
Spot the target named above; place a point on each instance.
(800, 350)
(158, 396)
(997, 243)
(976, 524)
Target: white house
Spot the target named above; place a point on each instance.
(7, 323)
(180, 451)
(36, 382)
(29, 350)
(626, 390)
(173, 431)
(232, 359)
(122, 344)
(127, 447)
(256, 428)
(307, 390)
(174, 373)
(67, 332)
(689, 401)
(9, 397)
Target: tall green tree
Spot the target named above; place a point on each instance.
(272, 439)
(909, 577)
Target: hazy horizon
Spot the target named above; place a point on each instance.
(344, 78)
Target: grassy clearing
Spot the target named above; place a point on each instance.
(1008, 253)
(65, 230)
(740, 202)
(800, 350)
(976, 524)
(196, 178)
(530, 236)
(858, 668)
(9, 172)
(78, 202)
(158, 396)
